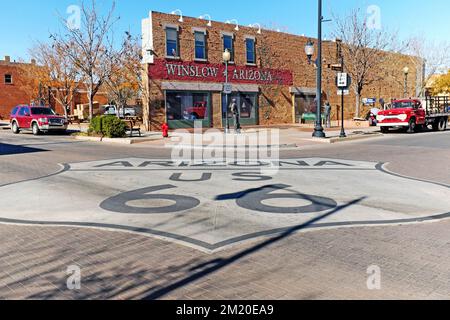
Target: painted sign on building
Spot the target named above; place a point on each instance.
(193, 71)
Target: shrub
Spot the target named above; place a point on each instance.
(108, 126)
(113, 127)
(96, 125)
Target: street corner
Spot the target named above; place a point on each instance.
(210, 205)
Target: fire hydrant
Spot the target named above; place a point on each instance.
(165, 130)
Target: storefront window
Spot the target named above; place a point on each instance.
(248, 107)
(188, 106)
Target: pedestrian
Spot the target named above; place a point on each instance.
(235, 110)
(327, 112)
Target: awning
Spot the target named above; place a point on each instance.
(303, 91)
(198, 86)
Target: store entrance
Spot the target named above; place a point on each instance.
(248, 108)
(305, 108)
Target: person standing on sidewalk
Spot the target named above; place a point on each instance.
(235, 110)
(327, 112)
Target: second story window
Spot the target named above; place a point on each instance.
(8, 79)
(172, 42)
(250, 46)
(228, 45)
(200, 45)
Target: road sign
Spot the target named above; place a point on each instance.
(346, 92)
(342, 80)
(336, 67)
(369, 100)
(227, 88)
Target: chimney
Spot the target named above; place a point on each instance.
(7, 59)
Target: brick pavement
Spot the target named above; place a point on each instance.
(327, 264)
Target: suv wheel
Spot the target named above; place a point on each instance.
(15, 128)
(35, 129)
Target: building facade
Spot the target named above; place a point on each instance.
(272, 80)
(17, 88)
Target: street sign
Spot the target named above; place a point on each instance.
(369, 101)
(346, 92)
(227, 88)
(336, 67)
(342, 80)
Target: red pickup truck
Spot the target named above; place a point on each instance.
(415, 114)
(197, 112)
(36, 119)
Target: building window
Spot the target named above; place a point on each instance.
(172, 42)
(250, 45)
(8, 79)
(228, 44)
(200, 45)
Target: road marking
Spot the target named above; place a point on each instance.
(211, 205)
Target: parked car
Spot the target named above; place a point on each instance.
(123, 112)
(36, 119)
(196, 112)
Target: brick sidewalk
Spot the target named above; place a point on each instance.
(328, 264)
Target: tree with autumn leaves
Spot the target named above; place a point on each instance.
(441, 86)
(54, 71)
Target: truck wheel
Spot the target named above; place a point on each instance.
(442, 125)
(412, 126)
(15, 128)
(384, 129)
(35, 129)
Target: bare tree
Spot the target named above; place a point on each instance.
(125, 82)
(364, 50)
(90, 47)
(56, 72)
(430, 58)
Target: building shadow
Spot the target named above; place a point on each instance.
(11, 149)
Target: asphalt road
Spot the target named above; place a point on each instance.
(421, 270)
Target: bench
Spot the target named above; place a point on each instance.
(310, 117)
(133, 126)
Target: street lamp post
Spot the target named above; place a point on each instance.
(318, 130)
(226, 59)
(406, 72)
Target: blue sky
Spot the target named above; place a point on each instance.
(24, 21)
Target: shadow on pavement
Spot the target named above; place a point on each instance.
(10, 149)
(215, 265)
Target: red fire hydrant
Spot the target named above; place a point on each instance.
(165, 130)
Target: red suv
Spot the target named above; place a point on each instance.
(36, 119)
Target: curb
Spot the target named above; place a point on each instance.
(348, 138)
(126, 141)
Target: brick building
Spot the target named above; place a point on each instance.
(272, 81)
(16, 88)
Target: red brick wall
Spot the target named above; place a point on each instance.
(11, 94)
(275, 50)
